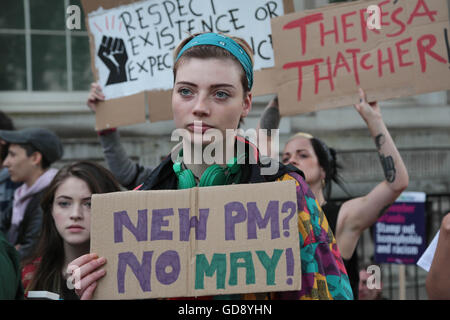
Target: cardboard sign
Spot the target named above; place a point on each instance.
(132, 44)
(399, 235)
(199, 241)
(323, 56)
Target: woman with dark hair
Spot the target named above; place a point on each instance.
(213, 76)
(65, 233)
(318, 162)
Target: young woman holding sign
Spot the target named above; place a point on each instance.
(318, 162)
(65, 233)
(212, 92)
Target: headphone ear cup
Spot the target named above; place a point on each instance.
(213, 176)
(186, 179)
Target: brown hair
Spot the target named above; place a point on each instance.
(50, 247)
(210, 51)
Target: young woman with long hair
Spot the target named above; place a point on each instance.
(66, 228)
(213, 77)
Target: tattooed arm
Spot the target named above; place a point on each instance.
(358, 214)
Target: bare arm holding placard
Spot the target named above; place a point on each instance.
(126, 171)
(360, 213)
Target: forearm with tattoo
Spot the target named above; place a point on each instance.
(387, 162)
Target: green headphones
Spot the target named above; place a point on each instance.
(215, 175)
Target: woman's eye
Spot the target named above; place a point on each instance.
(222, 95)
(87, 204)
(304, 156)
(63, 204)
(184, 91)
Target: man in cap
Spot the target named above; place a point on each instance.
(31, 152)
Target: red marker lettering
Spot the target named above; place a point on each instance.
(383, 13)
(302, 24)
(427, 12)
(339, 64)
(354, 53)
(425, 50)
(299, 65)
(324, 33)
(346, 25)
(381, 62)
(363, 62)
(401, 52)
(397, 21)
(328, 77)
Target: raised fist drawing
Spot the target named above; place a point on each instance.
(114, 55)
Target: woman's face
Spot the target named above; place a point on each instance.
(210, 91)
(300, 153)
(72, 211)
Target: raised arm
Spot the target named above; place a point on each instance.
(358, 214)
(127, 172)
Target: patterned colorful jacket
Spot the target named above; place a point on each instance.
(323, 272)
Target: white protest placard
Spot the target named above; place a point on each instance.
(199, 241)
(134, 42)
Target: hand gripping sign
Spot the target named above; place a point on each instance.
(132, 44)
(199, 241)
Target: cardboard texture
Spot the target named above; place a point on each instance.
(245, 240)
(120, 112)
(134, 66)
(323, 56)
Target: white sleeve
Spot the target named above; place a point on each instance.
(427, 257)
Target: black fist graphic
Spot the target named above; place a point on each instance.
(114, 55)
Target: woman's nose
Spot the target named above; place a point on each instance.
(76, 212)
(201, 108)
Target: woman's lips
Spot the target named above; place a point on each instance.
(199, 128)
(75, 228)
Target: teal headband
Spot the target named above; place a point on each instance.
(226, 43)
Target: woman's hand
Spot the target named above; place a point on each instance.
(368, 111)
(95, 95)
(85, 272)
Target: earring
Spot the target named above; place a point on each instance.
(322, 182)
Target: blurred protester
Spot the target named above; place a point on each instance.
(31, 152)
(10, 284)
(128, 173)
(66, 226)
(369, 287)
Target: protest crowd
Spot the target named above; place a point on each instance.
(290, 181)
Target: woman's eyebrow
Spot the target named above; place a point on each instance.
(222, 85)
(64, 197)
(217, 85)
(186, 83)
